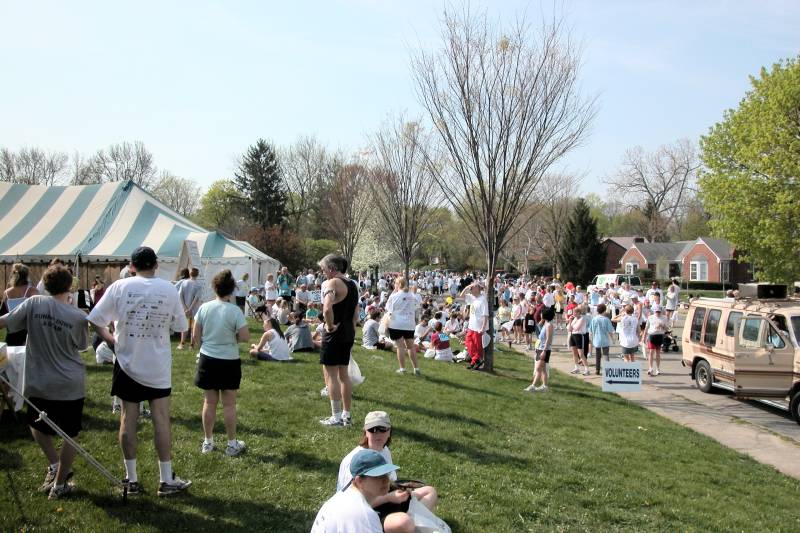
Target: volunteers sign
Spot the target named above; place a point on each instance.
(619, 376)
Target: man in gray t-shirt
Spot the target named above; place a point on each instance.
(57, 332)
(191, 295)
(55, 373)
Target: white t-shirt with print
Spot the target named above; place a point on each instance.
(629, 332)
(347, 512)
(479, 309)
(143, 310)
(402, 306)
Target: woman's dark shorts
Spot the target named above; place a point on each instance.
(218, 374)
(395, 334)
(543, 355)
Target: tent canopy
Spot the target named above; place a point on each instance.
(105, 222)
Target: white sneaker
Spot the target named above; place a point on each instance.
(207, 447)
(529, 388)
(649, 371)
(331, 421)
(543, 388)
(585, 372)
(656, 372)
(235, 449)
(401, 370)
(575, 370)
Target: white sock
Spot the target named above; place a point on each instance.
(231, 442)
(209, 440)
(336, 409)
(130, 470)
(165, 471)
(346, 414)
(54, 467)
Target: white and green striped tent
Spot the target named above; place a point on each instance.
(105, 223)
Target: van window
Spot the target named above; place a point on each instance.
(775, 339)
(634, 280)
(730, 326)
(697, 323)
(712, 325)
(750, 330)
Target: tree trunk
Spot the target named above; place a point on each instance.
(488, 356)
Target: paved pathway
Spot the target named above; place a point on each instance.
(766, 434)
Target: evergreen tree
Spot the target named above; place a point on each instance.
(581, 256)
(259, 181)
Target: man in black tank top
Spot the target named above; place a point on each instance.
(340, 312)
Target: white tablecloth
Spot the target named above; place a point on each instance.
(16, 372)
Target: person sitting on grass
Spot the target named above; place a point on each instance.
(219, 327)
(298, 334)
(312, 312)
(440, 344)
(351, 510)
(422, 333)
(55, 372)
(273, 345)
(392, 507)
(371, 339)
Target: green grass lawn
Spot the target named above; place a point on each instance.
(575, 459)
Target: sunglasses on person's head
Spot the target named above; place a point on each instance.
(378, 429)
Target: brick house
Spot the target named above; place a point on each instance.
(703, 259)
(615, 248)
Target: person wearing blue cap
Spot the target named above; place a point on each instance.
(350, 511)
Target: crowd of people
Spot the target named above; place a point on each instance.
(416, 317)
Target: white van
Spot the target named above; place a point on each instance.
(601, 280)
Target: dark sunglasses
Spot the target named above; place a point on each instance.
(378, 429)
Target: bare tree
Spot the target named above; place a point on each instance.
(179, 194)
(123, 162)
(663, 180)
(402, 187)
(306, 167)
(33, 166)
(347, 207)
(506, 106)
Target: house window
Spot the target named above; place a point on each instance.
(698, 271)
(725, 273)
(631, 267)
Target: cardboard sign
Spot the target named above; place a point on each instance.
(619, 376)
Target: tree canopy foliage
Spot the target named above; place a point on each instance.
(751, 181)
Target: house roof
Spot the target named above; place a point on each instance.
(721, 248)
(655, 251)
(625, 242)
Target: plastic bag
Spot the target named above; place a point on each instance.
(355, 372)
(424, 519)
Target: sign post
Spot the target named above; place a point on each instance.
(620, 376)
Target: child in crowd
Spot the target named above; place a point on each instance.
(312, 312)
(371, 339)
(422, 333)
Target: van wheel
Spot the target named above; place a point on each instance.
(703, 376)
(794, 406)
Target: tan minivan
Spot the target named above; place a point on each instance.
(749, 345)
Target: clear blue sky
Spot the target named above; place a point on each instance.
(198, 81)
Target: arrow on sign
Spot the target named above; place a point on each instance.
(611, 382)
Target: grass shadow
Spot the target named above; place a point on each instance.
(299, 460)
(474, 454)
(438, 415)
(195, 423)
(461, 386)
(222, 514)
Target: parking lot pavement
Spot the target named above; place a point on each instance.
(767, 434)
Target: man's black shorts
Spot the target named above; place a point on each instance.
(335, 354)
(130, 390)
(66, 414)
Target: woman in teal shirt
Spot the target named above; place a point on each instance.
(219, 327)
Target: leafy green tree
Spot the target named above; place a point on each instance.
(751, 182)
(259, 181)
(581, 256)
(219, 207)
